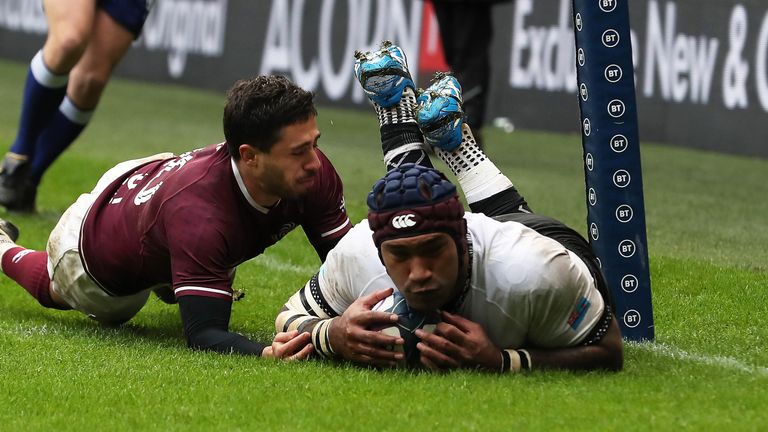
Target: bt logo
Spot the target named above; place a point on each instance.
(613, 73)
(621, 178)
(619, 143)
(632, 318)
(608, 5)
(616, 108)
(629, 283)
(627, 248)
(610, 38)
(594, 232)
(624, 213)
(584, 92)
(592, 196)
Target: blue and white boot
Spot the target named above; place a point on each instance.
(383, 74)
(439, 113)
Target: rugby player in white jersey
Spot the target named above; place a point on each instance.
(515, 290)
(180, 225)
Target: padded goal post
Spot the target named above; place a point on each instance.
(614, 184)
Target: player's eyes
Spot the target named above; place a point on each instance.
(305, 149)
(398, 255)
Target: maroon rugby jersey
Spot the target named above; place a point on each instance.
(188, 222)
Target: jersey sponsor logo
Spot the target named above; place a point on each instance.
(578, 313)
(403, 221)
(284, 230)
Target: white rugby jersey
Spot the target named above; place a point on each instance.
(526, 289)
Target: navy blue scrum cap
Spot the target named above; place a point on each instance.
(411, 200)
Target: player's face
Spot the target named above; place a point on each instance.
(289, 169)
(425, 269)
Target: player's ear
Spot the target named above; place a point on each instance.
(249, 154)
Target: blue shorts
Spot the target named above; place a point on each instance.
(130, 14)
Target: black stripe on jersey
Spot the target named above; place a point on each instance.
(305, 303)
(600, 329)
(317, 295)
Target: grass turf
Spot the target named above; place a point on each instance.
(708, 369)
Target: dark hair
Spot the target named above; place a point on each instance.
(258, 108)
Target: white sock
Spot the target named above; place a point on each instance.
(403, 112)
(478, 176)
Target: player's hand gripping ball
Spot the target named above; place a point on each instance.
(409, 321)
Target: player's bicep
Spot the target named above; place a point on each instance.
(570, 306)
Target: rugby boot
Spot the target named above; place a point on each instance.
(17, 190)
(383, 74)
(8, 232)
(439, 113)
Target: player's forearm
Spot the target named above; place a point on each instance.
(224, 342)
(206, 323)
(301, 320)
(307, 311)
(607, 354)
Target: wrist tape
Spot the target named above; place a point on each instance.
(514, 361)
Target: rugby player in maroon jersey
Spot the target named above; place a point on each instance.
(184, 223)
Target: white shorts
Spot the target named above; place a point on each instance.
(68, 277)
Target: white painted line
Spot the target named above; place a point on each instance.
(280, 265)
(716, 361)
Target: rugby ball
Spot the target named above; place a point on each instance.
(409, 321)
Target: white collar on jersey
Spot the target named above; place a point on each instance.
(247, 196)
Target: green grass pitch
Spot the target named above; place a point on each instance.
(708, 369)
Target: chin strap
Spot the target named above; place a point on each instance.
(453, 306)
